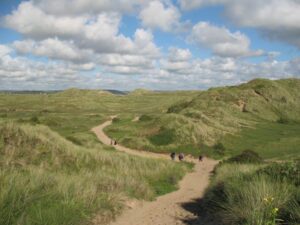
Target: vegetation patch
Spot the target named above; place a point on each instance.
(253, 194)
(287, 171)
(145, 118)
(164, 137)
(247, 156)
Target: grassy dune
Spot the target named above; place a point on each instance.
(262, 115)
(45, 179)
(72, 113)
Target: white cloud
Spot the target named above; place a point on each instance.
(4, 50)
(75, 7)
(221, 41)
(193, 4)
(179, 54)
(278, 20)
(157, 15)
(33, 22)
(54, 49)
(183, 73)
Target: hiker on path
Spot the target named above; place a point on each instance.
(173, 155)
(200, 158)
(181, 156)
(115, 142)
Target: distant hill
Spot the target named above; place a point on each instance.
(140, 92)
(219, 111)
(262, 115)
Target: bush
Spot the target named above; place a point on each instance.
(34, 120)
(116, 120)
(282, 120)
(74, 140)
(164, 137)
(145, 118)
(247, 156)
(219, 148)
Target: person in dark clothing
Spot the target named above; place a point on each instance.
(181, 156)
(201, 158)
(115, 142)
(173, 155)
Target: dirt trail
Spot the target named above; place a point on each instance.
(168, 209)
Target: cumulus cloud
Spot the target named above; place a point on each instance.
(221, 41)
(182, 73)
(4, 50)
(157, 15)
(179, 54)
(81, 38)
(100, 33)
(278, 20)
(54, 49)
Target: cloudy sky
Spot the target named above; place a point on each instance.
(154, 44)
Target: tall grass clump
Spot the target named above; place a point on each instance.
(46, 180)
(254, 194)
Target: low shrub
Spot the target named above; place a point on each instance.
(247, 156)
(145, 118)
(282, 120)
(34, 120)
(219, 148)
(116, 120)
(164, 137)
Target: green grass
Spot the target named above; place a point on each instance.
(164, 137)
(45, 179)
(271, 140)
(253, 194)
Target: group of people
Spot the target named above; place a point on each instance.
(181, 156)
(113, 142)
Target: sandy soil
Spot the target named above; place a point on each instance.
(177, 208)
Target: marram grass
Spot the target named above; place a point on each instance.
(45, 179)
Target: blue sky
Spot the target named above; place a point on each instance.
(158, 44)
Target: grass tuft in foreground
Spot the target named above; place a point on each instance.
(255, 194)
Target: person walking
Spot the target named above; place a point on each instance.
(200, 158)
(181, 156)
(173, 156)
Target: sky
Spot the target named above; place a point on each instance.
(151, 44)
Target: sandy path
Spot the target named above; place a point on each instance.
(168, 209)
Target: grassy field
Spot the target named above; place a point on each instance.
(271, 140)
(45, 179)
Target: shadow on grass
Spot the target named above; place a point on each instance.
(202, 216)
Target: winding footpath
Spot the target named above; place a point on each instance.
(170, 209)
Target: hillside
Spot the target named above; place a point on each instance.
(45, 179)
(220, 115)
